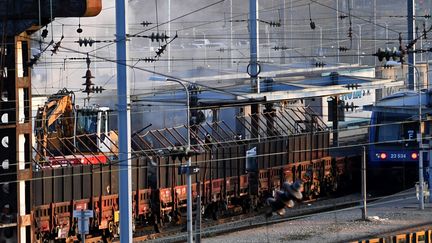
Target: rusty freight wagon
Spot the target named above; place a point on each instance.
(292, 145)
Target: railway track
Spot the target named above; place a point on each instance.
(226, 225)
(254, 220)
(305, 210)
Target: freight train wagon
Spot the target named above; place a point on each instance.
(286, 152)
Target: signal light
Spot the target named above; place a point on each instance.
(383, 156)
(414, 155)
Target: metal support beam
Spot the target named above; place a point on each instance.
(253, 63)
(125, 175)
(254, 43)
(411, 34)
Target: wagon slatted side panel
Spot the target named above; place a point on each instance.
(106, 175)
(141, 172)
(275, 151)
(58, 184)
(223, 163)
(114, 176)
(281, 152)
(47, 186)
(152, 176)
(296, 148)
(242, 158)
(290, 149)
(213, 164)
(284, 152)
(315, 147)
(234, 161)
(201, 163)
(229, 161)
(135, 173)
(68, 185)
(218, 165)
(271, 154)
(306, 148)
(173, 170)
(87, 181)
(164, 168)
(96, 173)
(326, 144)
(320, 137)
(78, 185)
(261, 153)
(205, 166)
(38, 188)
(303, 150)
(267, 155)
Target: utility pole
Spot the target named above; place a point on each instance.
(254, 54)
(428, 123)
(125, 188)
(374, 29)
(337, 30)
(231, 36)
(291, 25)
(169, 34)
(283, 34)
(411, 34)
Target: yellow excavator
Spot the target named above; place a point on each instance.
(68, 134)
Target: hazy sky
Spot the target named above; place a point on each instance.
(196, 19)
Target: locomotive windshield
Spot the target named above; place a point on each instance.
(393, 128)
(87, 122)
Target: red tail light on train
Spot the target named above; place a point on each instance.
(414, 155)
(383, 156)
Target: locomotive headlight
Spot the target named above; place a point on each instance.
(414, 155)
(383, 156)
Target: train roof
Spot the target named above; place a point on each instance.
(404, 102)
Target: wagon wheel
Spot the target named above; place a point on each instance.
(158, 223)
(158, 227)
(177, 217)
(111, 227)
(216, 211)
(106, 235)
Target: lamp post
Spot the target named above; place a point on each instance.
(358, 49)
(359, 42)
(419, 135)
(189, 162)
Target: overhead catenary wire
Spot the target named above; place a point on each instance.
(270, 139)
